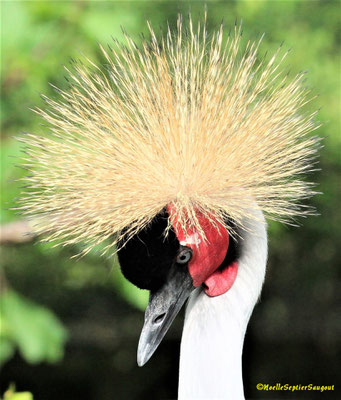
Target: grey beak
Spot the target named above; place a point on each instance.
(164, 305)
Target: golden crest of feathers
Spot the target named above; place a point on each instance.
(191, 120)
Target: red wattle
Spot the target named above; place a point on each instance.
(221, 281)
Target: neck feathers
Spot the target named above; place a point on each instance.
(214, 329)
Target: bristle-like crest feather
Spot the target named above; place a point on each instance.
(187, 120)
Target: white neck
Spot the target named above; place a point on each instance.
(214, 328)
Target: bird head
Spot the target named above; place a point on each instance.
(172, 266)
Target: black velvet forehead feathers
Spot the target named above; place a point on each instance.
(146, 258)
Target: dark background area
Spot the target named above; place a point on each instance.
(71, 328)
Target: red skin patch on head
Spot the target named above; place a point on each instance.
(208, 254)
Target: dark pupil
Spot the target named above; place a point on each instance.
(183, 257)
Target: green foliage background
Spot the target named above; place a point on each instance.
(294, 332)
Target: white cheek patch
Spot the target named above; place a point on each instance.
(192, 239)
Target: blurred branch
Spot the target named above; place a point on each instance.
(16, 232)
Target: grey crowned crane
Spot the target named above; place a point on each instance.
(171, 157)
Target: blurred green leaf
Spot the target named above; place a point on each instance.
(34, 329)
(11, 394)
(6, 349)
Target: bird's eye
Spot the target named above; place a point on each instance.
(184, 256)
